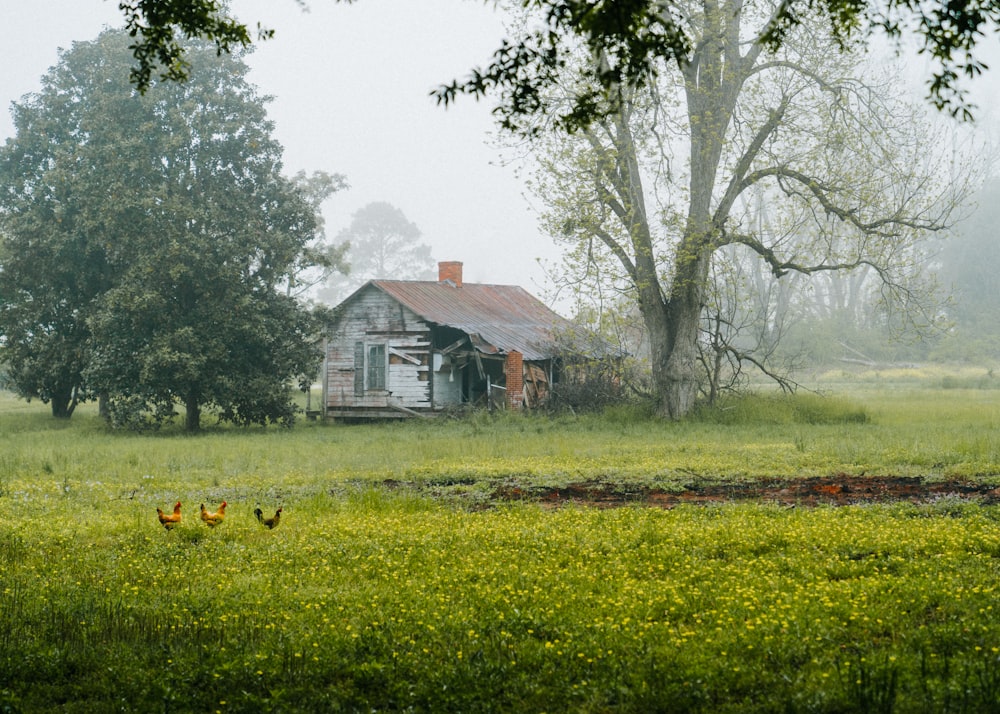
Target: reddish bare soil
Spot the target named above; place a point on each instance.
(839, 490)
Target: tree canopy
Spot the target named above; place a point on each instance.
(632, 38)
(149, 242)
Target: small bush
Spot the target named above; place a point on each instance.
(587, 392)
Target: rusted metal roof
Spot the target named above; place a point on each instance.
(497, 318)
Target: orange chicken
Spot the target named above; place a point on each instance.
(169, 520)
(271, 522)
(213, 519)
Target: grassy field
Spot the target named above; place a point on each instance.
(397, 582)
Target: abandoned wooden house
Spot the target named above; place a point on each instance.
(401, 348)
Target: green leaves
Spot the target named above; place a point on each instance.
(631, 42)
(626, 39)
(160, 28)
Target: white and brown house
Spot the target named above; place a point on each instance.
(401, 348)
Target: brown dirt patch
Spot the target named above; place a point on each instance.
(837, 490)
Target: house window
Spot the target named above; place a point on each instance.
(376, 367)
(369, 368)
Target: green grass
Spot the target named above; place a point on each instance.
(395, 583)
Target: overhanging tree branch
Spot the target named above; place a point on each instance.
(638, 38)
(159, 27)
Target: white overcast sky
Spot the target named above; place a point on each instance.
(351, 88)
(351, 85)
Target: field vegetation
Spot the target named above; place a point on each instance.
(398, 579)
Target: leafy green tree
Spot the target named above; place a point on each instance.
(853, 177)
(44, 339)
(168, 236)
(58, 247)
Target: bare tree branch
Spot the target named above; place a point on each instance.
(736, 183)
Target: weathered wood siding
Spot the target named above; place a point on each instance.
(372, 318)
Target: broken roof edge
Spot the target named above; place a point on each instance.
(497, 319)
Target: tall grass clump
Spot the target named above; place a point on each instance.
(630, 414)
(798, 408)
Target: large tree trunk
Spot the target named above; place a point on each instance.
(680, 379)
(674, 359)
(63, 404)
(672, 320)
(192, 417)
(62, 407)
(673, 334)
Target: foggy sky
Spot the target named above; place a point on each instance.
(351, 90)
(350, 86)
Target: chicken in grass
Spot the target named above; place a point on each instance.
(213, 519)
(169, 520)
(271, 522)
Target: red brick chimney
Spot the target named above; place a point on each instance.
(514, 371)
(450, 270)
